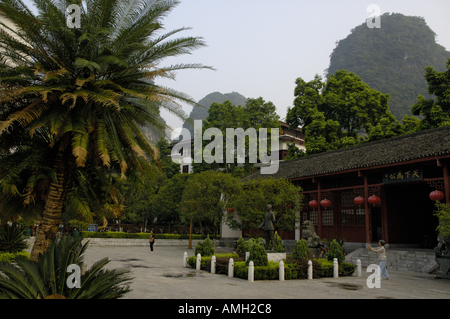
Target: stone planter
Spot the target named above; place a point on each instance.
(444, 266)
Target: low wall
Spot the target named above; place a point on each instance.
(102, 242)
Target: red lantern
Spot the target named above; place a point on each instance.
(230, 210)
(313, 203)
(359, 200)
(374, 200)
(325, 203)
(436, 195)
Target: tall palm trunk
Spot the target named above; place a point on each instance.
(51, 216)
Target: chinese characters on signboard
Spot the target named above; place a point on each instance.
(402, 175)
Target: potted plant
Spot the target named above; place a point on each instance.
(443, 248)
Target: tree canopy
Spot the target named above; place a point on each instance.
(337, 113)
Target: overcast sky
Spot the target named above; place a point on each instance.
(260, 47)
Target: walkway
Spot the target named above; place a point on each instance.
(161, 276)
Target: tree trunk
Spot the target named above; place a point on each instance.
(51, 216)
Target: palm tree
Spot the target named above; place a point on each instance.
(89, 90)
(48, 278)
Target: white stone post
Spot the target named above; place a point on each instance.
(251, 272)
(310, 270)
(199, 261)
(213, 264)
(281, 271)
(335, 268)
(230, 267)
(185, 258)
(358, 268)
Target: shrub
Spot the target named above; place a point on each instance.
(345, 269)
(443, 214)
(9, 257)
(336, 252)
(278, 243)
(258, 255)
(221, 262)
(204, 248)
(12, 239)
(301, 250)
(198, 249)
(241, 247)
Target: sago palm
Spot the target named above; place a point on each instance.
(50, 277)
(92, 88)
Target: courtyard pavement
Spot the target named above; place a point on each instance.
(161, 275)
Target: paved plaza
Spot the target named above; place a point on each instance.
(161, 275)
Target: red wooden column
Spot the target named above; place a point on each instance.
(366, 206)
(446, 183)
(384, 219)
(319, 209)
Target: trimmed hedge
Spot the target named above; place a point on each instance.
(221, 262)
(9, 257)
(293, 269)
(113, 234)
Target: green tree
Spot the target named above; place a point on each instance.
(206, 197)
(89, 88)
(256, 114)
(435, 112)
(167, 205)
(337, 113)
(252, 197)
(169, 167)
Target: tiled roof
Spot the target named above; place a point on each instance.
(399, 149)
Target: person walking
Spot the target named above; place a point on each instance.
(152, 241)
(382, 258)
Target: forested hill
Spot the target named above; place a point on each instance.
(201, 113)
(391, 59)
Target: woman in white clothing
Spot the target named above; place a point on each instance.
(382, 258)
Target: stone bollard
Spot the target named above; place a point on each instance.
(335, 268)
(251, 272)
(213, 264)
(199, 262)
(230, 267)
(358, 268)
(310, 270)
(281, 271)
(185, 258)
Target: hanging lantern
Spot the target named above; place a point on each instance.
(325, 203)
(374, 200)
(313, 204)
(359, 200)
(436, 195)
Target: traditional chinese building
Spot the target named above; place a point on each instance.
(397, 174)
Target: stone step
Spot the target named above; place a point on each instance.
(417, 261)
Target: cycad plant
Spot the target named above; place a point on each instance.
(88, 90)
(48, 278)
(12, 239)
